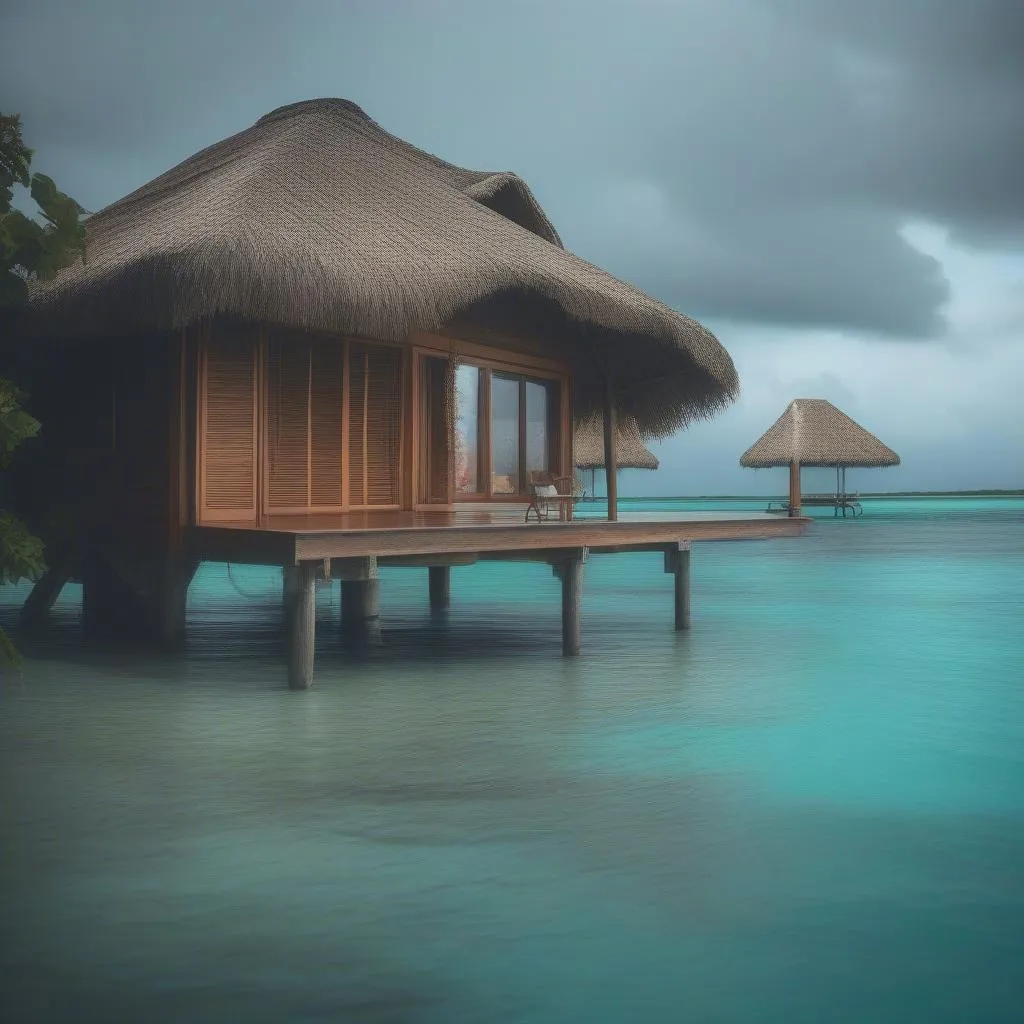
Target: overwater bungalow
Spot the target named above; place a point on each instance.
(630, 450)
(315, 346)
(813, 432)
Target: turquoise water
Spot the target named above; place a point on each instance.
(809, 808)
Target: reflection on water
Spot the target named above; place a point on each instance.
(810, 808)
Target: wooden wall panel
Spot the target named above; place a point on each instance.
(228, 427)
(358, 437)
(287, 411)
(383, 427)
(326, 417)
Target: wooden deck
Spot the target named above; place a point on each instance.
(482, 531)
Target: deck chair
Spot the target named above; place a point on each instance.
(551, 493)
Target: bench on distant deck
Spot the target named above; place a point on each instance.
(837, 502)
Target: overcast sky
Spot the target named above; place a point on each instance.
(835, 187)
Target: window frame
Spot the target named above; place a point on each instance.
(485, 426)
(487, 357)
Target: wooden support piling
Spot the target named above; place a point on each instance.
(142, 600)
(302, 627)
(440, 585)
(571, 574)
(290, 576)
(171, 600)
(360, 600)
(677, 562)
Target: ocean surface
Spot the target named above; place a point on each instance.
(809, 808)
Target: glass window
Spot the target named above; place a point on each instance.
(467, 429)
(538, 418)
(505, 424)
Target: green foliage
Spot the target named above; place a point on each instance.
(21, 554)
(16, 425)
(30, 249)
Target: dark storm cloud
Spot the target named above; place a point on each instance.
(749, 160)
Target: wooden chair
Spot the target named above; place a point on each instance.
(552, 493)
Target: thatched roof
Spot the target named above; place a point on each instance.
(315, 217)
(588, 446)
(814, 432)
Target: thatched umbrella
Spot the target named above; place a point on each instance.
(631, 452)
(317, 218)
(813, 432)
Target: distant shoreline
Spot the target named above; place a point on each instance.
(863, 494)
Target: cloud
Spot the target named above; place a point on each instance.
(788, 141)
(810, 177)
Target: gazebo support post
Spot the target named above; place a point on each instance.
(611, 454)
(794, 488)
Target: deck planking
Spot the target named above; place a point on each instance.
(480, 531)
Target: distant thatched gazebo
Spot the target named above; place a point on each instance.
(813, 432)
(631, 452)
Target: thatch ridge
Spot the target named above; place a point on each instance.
(632, 453)
(316, 218)
(813, 432)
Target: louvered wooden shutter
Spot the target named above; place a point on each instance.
(326, 417)
(375, 404)
(228, 434)
(305, 381)
(287, 414)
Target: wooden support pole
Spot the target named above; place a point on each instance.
(794, 488)
(302, 628)
(440, 585)
(171, 602)
(571, 574)
(290, 576)
(611, 453)
(360, 602)
(681, 576)
(138, 599)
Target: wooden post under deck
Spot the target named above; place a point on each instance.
(440, 585)
(571, 574)
(290, 576)
(360, 602)
(611, 454)
(794, 488)
(172, 599)
(302, 626)
(139, 598)
(678, 563)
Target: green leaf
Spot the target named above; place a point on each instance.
(21, 554)
(15, 158)
(31, 249)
